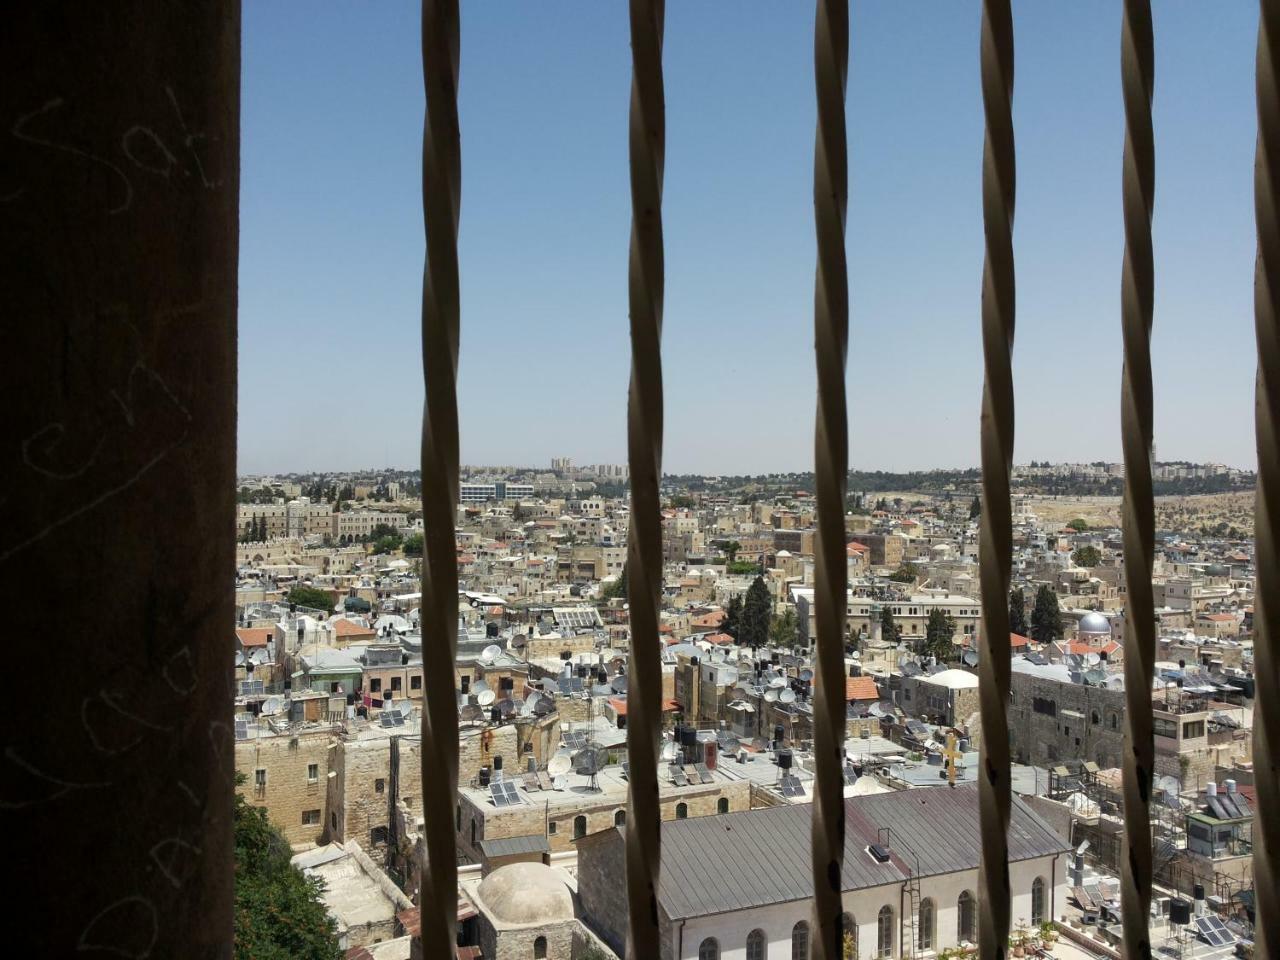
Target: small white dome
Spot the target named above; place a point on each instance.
(1095, 623)
(526, 893)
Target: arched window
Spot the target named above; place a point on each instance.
(967, 926)
(722, 805)
(579, 826)
(924, 939)
(682, 811)
(620, 818)
(849, 931)
(1037, 901)
(709, 949)
(800, 941)
(884, 932)
(755, 945)
(1094, 718)
(540, 948)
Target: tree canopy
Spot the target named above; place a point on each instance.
(1018, 612)
(888, 627)
(784, 631)
(311, 597)
(413, 545)
(975, 508)
(757, 613)
(616, 589)
(279, 912)
(939, 635)
(907, 573)
(1079, 524)
(732, 622)
(1087, 556)
(1046, 618)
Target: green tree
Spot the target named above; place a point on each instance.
(279, 913)
(907, 573)
(1079, 524)
(386, 545)
(413, 545)
(757, 612)
(731, 550)
(784, 631)
(732, 622)
(975, 508)
(617, 589)
(385, 530)
(1046, 618)
(888, 627)
(1087, 556)
(1018, 612)
(939, 633)
(311, 597)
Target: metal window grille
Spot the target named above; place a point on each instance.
(989, 912)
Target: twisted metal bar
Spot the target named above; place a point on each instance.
(1266, 311)
(1137, 71)
(645, 282)
(831, 449)
(995, 543)
(441, 197)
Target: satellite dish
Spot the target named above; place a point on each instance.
(740, 693)
(770, 695)
(970, 658)
(669, 751)
(1092, 659)
(560, 783)
(806, 675)
(531, 702)
(777, 682)
(471, 712)
(560, 764)
(271, 706)
(486, 697)
(1095, 676)
(787, 696)
(490, 653)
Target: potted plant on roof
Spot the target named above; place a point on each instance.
(1018, 939)
(1048, 933)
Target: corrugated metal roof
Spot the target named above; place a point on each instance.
(507, 846)
(739, 861)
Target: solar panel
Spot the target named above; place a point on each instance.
(677, 775)
(384, 719)
(691, 773)
(574, 741)
(505, 794)
(1214, 932)
(544, 780)
(1215, 808)
(242, 730)
(704, 775)
(849, 775)
(791, 786)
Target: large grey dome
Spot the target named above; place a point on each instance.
(1095, 623)
(526, 893)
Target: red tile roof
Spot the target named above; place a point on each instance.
(860, 688)
(254, 636)
(348, 628)
(1018, 640)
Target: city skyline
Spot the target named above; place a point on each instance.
(332, 240)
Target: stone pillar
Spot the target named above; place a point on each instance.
(119, 190)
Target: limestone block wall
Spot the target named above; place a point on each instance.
(291, 791)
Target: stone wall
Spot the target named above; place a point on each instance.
(289, 792)
(1047, 739)
(601, 861)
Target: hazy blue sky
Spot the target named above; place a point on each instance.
(331, 235)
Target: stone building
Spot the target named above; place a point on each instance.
(1053, 717)
(705, 910)
(287, 772)
(565, 816)
(524, 910)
